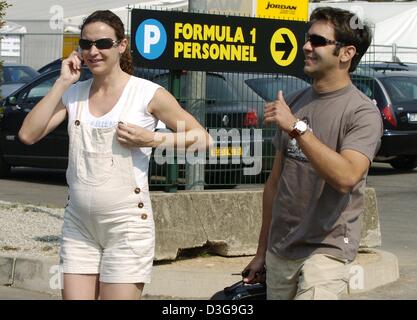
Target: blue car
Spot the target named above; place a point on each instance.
(15, 76)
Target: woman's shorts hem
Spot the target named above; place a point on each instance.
(80, 270)
(124, 279)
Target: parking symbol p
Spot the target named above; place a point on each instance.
(151, 39)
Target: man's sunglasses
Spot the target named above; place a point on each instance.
(105, 43)
(320, 41)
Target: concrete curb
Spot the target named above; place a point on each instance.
(228, 222)
(7, 265)
(373, 268)
(30, 273)
(197, 278)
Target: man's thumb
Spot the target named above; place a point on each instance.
(280, 96)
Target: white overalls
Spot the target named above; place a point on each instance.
(108, 224)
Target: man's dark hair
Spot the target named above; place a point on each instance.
(348, 29)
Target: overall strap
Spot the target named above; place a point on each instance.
(80, 105)
(128, 105)
(82, 99)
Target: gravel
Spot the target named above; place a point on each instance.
(29, 230)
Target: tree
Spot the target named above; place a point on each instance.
(3, 6)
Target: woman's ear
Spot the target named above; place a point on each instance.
(123, 46)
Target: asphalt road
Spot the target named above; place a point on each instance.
(397, 204)
(35, 186)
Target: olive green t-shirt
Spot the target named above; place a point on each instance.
(308, 215)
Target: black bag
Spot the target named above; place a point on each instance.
(242, 291)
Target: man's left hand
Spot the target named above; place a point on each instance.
(279, 113)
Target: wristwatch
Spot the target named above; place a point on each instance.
(298, 129)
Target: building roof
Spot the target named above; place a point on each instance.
(47, 9)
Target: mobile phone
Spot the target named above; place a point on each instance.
(80, 54)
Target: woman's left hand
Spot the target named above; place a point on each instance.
(133, 136)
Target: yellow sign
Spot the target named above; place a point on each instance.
(226, 151)
(70, 44)
(283, 9)
(283, 47)
(193, 41)
(215, 42)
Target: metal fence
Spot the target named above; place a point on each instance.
(394, 53)
(232, 113)
(231, 102)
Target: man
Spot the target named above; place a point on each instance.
(325, 143)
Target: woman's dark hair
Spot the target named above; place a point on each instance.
(348, 29)
(112, 20)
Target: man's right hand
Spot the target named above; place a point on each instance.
(255, 270)
(71, 68)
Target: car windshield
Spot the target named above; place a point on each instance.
(18, 74)
(401, 89)
(217, 89)
(268, 88)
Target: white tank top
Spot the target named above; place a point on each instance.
(138, 102)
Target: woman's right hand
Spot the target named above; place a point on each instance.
(255, 270)
(71, 68)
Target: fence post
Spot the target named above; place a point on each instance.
(394, 52)
(196, 97)
(172, 167)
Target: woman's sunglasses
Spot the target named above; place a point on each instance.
(320, 41)
(105, 43)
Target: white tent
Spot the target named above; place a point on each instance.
(47, 20)
(71, 24)
(399, 30)
(11, 27)
(46, 9)
(11, 42)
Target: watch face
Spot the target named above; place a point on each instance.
(301, 126)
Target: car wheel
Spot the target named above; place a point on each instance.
(404, 162)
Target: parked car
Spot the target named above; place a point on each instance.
(51, 151)
(236, 101)
(268, 87)
(395, 94)
(387, 66)
(14, 76)
(56, 64)
(228, 105)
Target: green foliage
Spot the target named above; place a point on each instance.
(3, 6)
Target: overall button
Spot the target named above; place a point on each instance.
(137, 190)
(140, 205)
(144, 216)
(77, 122)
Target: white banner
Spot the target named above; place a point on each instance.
(10, 46)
